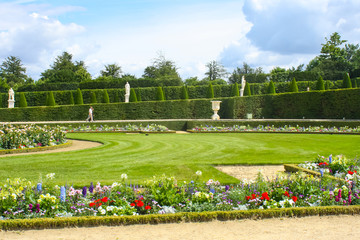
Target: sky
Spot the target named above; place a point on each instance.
(191, 33)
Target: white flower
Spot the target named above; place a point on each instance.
(198, 173)
(50, 176)
(124, 176)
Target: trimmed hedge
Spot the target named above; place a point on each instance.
(49, 223)
(36, 149)
(334, 104)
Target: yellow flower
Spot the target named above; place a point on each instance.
(47, 195)
(39, 201)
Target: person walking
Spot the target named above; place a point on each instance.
(90, 117)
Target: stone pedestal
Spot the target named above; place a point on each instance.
(215, 108)
(11, 103)
(127, 96)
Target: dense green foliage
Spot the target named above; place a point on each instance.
(247, 91)
(271, 88)
(50, 100)
(71, 99)
(235, 90)
(334, 104)
(320, 84)
(105, 98)
(160, 94)
(347, 81)
(210, 91)
(23, 102)
(79, 98)
(93, 98)
(293, 86)
(133, 97)
(184, 93)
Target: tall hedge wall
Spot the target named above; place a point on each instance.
(334, 104)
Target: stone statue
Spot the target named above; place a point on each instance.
(11, 101)
(127, 92)
(11, 94)
(243, 83)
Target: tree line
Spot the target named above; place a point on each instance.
(336, 58)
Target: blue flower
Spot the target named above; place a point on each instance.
(62, 194)
(39, 187)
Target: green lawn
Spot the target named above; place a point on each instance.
(181, 155)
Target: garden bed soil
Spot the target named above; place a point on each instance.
(76, 145)
(251, 172)
(318, 228)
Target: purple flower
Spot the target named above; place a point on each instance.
(30, 206)
(39, 187)
(37, 207)
(227, 187)
(62, 194)
(84, 190)
(91, 188)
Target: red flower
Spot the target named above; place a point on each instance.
(104, 199)
(265, 196)
(139, 204)
(99, 204)
(147, 208)
(350, 172)
(92, 204)
(253, 196)
(286, 194)
(248, 198)
(132, 204)
(294, 198)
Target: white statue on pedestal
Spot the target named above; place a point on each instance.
(243, 83)
(11, 100)
(127, 92)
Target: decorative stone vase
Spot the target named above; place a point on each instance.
(215, 108)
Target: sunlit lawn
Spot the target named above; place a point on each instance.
(141, 156)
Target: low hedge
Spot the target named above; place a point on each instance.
(35, 149)
(49, 223)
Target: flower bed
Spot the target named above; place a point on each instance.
(150, 128)
(30, 136)
(162, 195)
(285, 129)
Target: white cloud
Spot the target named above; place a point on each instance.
(32, 36)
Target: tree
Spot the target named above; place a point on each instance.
(354, 85)
(111, 70)
(247, 91)
(138, 94)
(161, 68)
(271, 88)
(13, 71)
(293, 86)
(184, 93)
(4, 87)
(210, 91)
(133, 97)
(65, 70)
(50, 100)
(347, 81)
(327, 85)
(71, 99)
(160, 94)
(320, 85)
(105, 97)
(235, 90)
(93, 98)
(215, 70)
(79, 98)
(23, 102)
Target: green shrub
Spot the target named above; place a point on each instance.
(106, 98)
(210, 91)
(346, 81)
(271, 88)
(327, 85)
(160, 94)
(320, 84)
(132, 97)
(79, 98)
(235, 90)
(23, 102)
(71, 101)
(184, 93)
(355, 84)
(293, 86)
(50, 100)
(247, 91)
(138, 94)
(93, 98)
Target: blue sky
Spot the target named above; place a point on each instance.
(131, 33)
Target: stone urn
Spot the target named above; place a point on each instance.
(215, 108)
